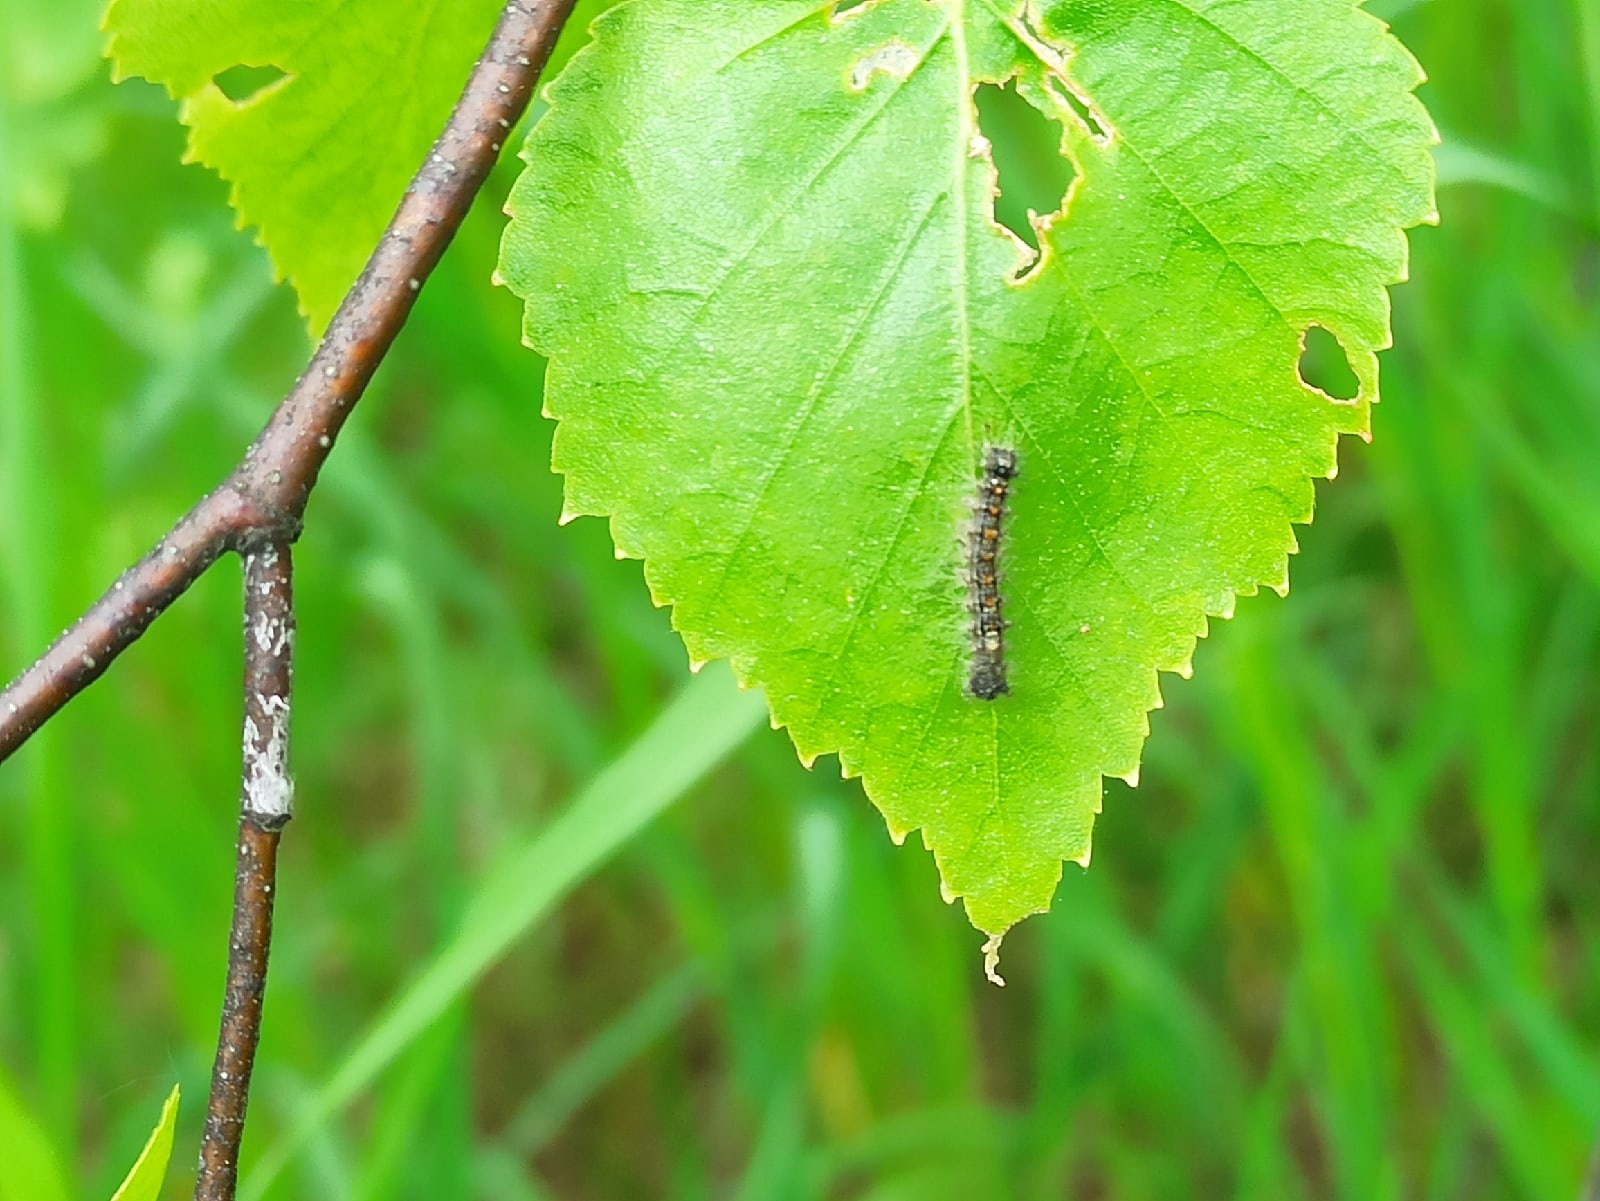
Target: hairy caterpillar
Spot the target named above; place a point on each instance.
(988, 678)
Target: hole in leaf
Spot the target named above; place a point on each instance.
(1324, 365)
(242, 82)
(1078, 105)
(1027, 155)
(1057, 84)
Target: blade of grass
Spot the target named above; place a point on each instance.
(1461, 163)
(775, 1167)
(1342, 979)
(1483, 1073)
(28, 493)
(1571, 1071)
(706, 721)
(1142, 982)
(501, 1177)
(944, 1136)
(401, 1125)
(1267, 1167)
(600, 1060)
(1589, 49)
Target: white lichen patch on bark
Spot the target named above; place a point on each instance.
(268, 788)
(272, 635)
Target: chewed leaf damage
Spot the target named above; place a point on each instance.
(894, 58)
(247, 83)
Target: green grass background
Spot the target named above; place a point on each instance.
(556, 922)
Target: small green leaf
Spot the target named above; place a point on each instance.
(756, 239)
(318, 115)
(150, 1170)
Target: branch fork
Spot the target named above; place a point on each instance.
(258, 511)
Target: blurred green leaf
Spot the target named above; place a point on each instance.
(49, 54)
(757, 241)
(150, 1170)
(319, 156)
(28, 1167)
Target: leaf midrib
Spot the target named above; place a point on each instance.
(957, 30)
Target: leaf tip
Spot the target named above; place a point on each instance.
(991, 960)
(149, 1171)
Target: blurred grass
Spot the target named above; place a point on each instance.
(1343, 942)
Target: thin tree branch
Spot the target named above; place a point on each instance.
(265, 804)
(257, 512)
(263, 499)
(141, 594)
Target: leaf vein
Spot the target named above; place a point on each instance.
(818, 388)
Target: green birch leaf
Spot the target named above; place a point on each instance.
(317, 114)
(756, 242)
(29, 1169)
(149, 1172)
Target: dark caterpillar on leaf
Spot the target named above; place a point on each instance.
(988, 678)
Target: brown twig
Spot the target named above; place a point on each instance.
(264, 498)
(257, 512)
(265, 801)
